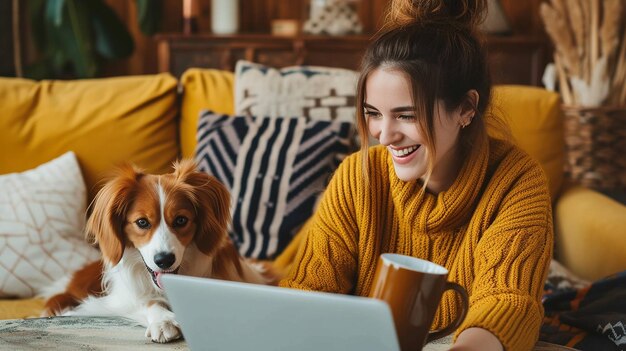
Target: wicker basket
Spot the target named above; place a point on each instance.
(595, 147)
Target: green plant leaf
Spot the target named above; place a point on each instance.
(53, 57)
(36, 13)
(149, 15)
(73, 36)
(54, 11)
(76, 39)
(111, 38)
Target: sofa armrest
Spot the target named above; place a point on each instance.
(590, 233)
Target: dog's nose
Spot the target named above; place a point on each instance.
(164, 259)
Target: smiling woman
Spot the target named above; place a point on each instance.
(438, 187)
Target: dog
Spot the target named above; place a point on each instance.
(150, 225)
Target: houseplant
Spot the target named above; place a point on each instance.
(75, 36)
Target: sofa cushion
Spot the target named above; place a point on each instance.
(534, 117)
(275, 169)
(21, 308)
(313, 92)
(203, 89)
(42, 213)
(104, 121)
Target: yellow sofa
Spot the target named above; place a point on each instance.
(151, 120)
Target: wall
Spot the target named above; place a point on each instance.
(6, 40)
(524, 16)
(256, 16)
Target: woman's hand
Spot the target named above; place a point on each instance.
(477, 339)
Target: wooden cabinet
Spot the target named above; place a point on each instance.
(513, 60)
(179, 52)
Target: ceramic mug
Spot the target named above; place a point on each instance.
(413, 288)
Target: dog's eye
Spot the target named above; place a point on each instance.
(142, 223)
(180, 221)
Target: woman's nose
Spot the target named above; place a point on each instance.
(388, 132)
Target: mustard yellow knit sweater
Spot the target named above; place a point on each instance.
(492, 229)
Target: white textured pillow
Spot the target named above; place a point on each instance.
(42, 214)
(316, 93)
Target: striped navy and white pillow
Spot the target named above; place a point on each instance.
(275, 169)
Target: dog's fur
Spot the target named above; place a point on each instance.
(148, 225)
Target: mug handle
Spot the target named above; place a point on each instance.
(437, 334)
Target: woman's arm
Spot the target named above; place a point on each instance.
(477, 339)
(511, 256)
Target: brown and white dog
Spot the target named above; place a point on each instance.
(146, 226)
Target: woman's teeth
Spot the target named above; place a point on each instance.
(405, 151)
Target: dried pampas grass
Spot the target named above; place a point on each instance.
(558, 29)
(590, 50)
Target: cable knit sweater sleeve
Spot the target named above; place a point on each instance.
(512, 255)
(326, 260)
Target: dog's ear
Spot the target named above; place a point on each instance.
(108, 213)
(212, 201)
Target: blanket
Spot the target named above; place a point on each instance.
(585, 316)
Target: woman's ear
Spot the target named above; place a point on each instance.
(468, 108)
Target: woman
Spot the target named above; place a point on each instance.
(437, 187)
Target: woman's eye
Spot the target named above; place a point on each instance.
(180, 221)
(142, 223)
(372, 114)
(406, 117)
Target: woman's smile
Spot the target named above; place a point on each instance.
(403, 155)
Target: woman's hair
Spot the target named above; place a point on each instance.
(437, 46)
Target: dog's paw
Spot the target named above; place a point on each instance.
(164, 331)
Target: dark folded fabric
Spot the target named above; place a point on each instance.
(588, 318)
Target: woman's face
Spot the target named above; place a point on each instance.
(391, 119)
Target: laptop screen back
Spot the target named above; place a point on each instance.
(224, 315)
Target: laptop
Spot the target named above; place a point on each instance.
(224, 315)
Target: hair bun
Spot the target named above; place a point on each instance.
(466, 13)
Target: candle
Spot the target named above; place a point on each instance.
(224, 16)
(190, 21)
(187, 8)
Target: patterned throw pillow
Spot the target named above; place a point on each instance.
(320, 93)
(275, 169)
(42, 213)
